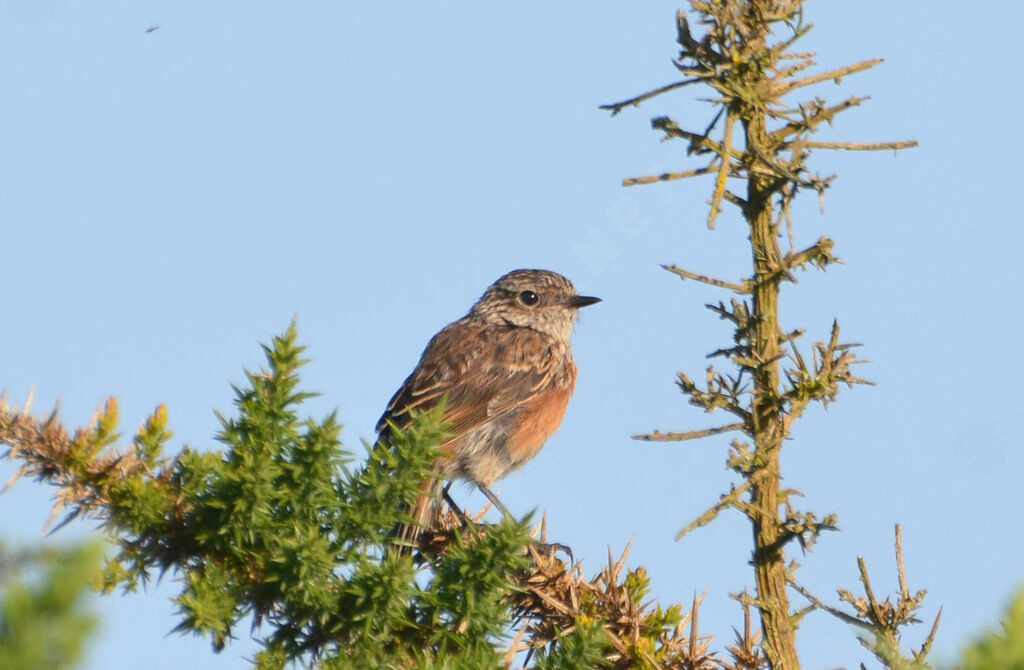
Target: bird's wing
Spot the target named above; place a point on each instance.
(485, 372)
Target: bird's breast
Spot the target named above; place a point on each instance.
(537, 420)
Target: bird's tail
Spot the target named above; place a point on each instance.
(424, 512)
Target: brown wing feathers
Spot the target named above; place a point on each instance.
(479, 388)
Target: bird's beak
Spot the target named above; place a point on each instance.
(578, 301)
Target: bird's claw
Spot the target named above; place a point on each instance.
(552, 548)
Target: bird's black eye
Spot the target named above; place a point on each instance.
(529, 298)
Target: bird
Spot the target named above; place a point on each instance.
(505, 372)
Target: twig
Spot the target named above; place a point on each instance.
(819, 253)
(667, 176)
(730, 499)
(839, 614)
(723, 171)
(901, 572)
(658, 436)
(836, 74)
(617, 107)
(859, 146)
(672, 129)
(720, 283)
(809, 122)
(876, 607)
(926, 646)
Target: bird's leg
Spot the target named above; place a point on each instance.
(463, 519)
(546, 547)
(494, 499)
(466, 523)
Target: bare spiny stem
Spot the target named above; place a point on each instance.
(834, 75)
(734, 498)
(720, 283)
(657, 436)
(882, 621)
(667, 176)
(635, 101)
(746, 57)
(861, 146)
(723, 170)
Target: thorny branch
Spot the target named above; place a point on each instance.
(657, 436)
(617, 107)
(720, 283)
(882, 621)
(752, 73)
(550, 600)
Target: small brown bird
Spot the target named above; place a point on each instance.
(507, 371)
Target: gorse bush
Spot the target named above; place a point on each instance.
(281, 531)
(44, 621)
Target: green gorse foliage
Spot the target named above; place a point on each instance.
(44, 622)
(280, 531)
(1000, 649)
(277, 528)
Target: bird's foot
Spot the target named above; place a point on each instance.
(551, 549)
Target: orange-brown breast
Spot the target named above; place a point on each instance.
(539, 418)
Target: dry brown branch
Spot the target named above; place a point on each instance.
(751, 70)
(730, 499)
(813, 115)
(555, 597)
(698, 143)
(81, 473)
(720, 283)
(857, 146)
(658, 436)
(922, 652)
(723, 170)
(835, 75)
(882, 620)
(617, 107)
(667, 176)
(746, 652)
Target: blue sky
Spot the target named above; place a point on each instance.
(169, 200)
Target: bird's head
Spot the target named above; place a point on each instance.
(538, 299)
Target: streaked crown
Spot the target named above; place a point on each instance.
(538, 299)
